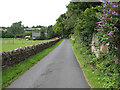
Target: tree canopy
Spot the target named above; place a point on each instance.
(16, 29)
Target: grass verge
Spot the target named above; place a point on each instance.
(91, 77)
(12, 73)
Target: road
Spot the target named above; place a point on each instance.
(59, 69)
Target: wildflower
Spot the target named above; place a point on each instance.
(115, 6)
(113, 12)
(110, 34)
(104, 42)
(103, 17)
(104, 54)
(115, 28)
(99, 22)
(108, 1)
(107, 38)
(112, 4)
(116, 14)
(103, 25)
(105, 5)
(103, 10)
(92, 44)
(98, 29)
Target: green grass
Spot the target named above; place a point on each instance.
(10, 44)
(12, 73)
(91, 77)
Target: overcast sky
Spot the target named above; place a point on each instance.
(31, 12)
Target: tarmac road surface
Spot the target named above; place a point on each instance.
(59, 69)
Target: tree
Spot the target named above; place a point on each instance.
(59, 26)
(50, 32)
(42, 33)
(26, 27)
(66, 22)
(16, 29)
(33, 26)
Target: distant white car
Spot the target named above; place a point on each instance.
(27, 37)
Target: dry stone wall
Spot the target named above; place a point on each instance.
(20, 54)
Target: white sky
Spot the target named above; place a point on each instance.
(31, 12)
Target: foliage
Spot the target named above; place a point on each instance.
(85, 25)
(77, 7)
(108, 32)
(58, 27)
(107, 28)
(104, 21)
(66, 22)
(6, 34)
(50, 32)
(83, 56)
(42, 33)
(38, 26)
(16, 29)
(27, 34)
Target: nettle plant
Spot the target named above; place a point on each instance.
(107, 27)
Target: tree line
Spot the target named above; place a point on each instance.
(16, 30)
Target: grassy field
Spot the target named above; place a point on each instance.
(10, 44)
(12, 73)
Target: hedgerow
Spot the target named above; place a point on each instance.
(102, 20)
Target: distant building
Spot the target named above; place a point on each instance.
(34, 35)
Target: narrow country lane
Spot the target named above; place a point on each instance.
(59, 69)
